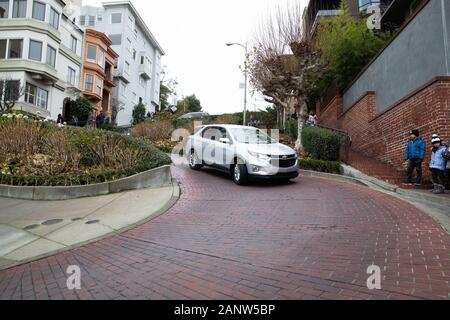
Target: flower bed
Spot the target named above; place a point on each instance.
(34, 153)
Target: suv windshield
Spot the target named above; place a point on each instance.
(251, 136)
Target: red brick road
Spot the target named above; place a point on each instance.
(312, 239)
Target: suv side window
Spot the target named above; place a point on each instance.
(212, 133)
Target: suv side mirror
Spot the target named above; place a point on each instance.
(225, 140)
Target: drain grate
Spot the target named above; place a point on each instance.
(31, 227)
(52, 222)
(92, 221)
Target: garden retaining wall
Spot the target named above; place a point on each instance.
(155, 178)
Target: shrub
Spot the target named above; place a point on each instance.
(292, 129)
(321, 144)
(153, 131)
(138, 113)
(81, 108)
(37, 153)
(321, 166)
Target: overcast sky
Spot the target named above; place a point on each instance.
(193, 33)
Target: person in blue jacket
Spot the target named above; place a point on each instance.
(414, 154)
(438, 164)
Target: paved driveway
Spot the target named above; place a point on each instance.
(310, 239)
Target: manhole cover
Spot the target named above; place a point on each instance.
(93, 221)
(52, 222)
(30, 227)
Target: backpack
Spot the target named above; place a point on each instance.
(446, 154)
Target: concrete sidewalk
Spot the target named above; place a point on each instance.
(33, 229)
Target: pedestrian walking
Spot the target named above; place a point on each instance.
(438, 164)
(414, 154)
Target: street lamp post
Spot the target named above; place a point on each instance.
(245, 76)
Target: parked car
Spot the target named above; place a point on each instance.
(244, 152)
(194, 115)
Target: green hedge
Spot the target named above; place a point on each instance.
(321, 166)
(153, 158)
(321, 144)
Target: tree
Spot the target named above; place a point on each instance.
(81, 108)
(10, 93)
(347, 45)
(190, 104)
(116, 107)
(164, 93)
(285, 67)
(167, 88)
(138, 113)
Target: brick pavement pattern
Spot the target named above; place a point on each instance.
(309, 239)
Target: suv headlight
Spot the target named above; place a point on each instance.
(259, 156)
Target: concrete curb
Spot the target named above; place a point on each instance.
(333, 176)
(155, 178)
(176, 194)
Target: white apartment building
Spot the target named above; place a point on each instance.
(40, 52)
(138, 70)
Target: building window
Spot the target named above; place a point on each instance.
(19, 9)
(15, 49)
(99, 17)
(134, 98)
(134, 54)
(92, 53)
(116, 39)
(71, 75)
(82, 20)
(35, 52)
(38, 10)
(89, 83)
(3, 49)
(41, 100)
(4, 9)
(116, 18)
(99, 87)
(30, 93)
(129, 45)
(73, 44)
(54, 18)
(91, 21)
(127, 67)
(10, 89)
(364, 4)
(51, 56)
(101, 57)
(123, 89)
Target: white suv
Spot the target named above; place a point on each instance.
(244, 152)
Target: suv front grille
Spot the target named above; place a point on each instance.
(284, 161)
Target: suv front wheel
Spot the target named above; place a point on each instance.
(194, 162)
(240, 174)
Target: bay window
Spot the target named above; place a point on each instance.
(19, 9)
(41, 99)
(51, 56)
(54, 18)
(15, 49)
(89, 83)
(38, 10)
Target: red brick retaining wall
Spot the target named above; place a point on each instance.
(384, 135)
